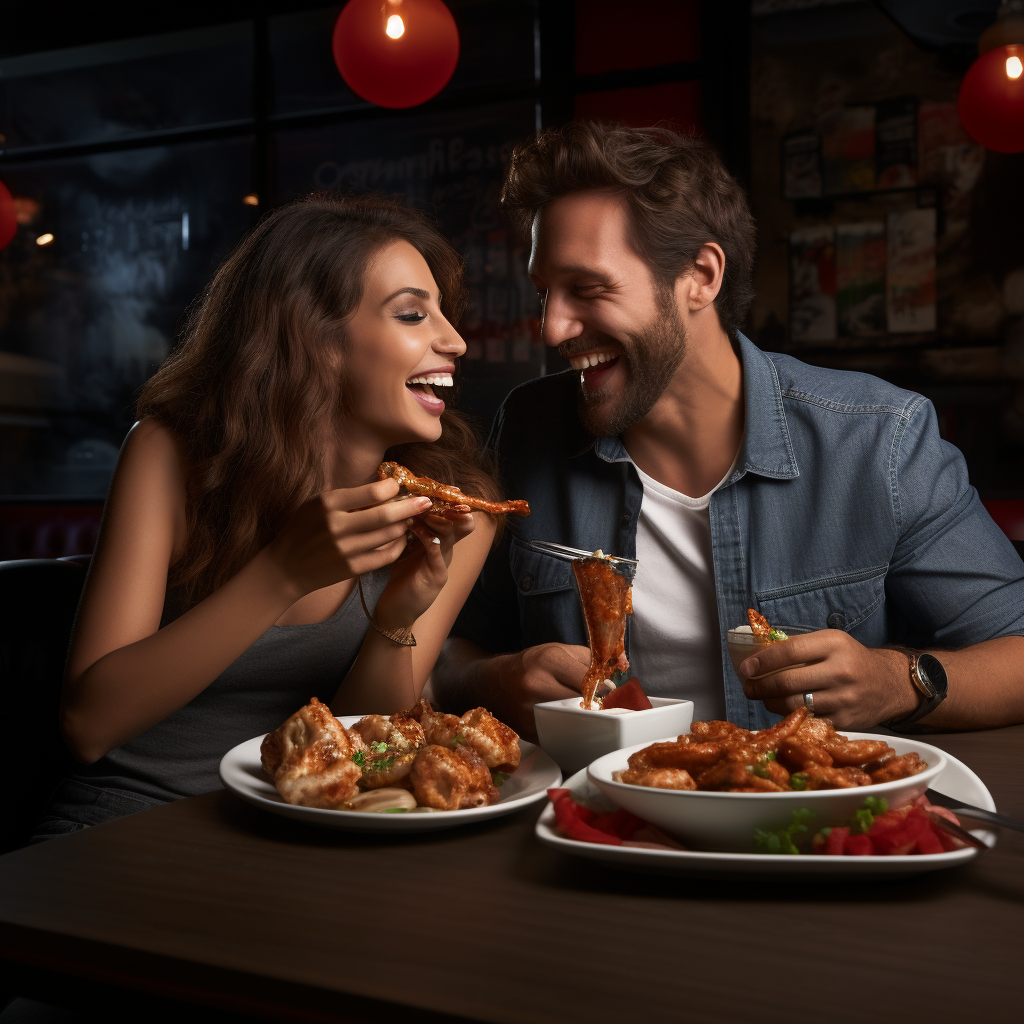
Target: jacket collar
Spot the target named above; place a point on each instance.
(767, 449)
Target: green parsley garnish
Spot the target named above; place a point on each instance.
(359, 758)
(395, 810)
(864, 818)
(379, 748)
(780, 840)
(798, 780)
(498, 778)
(777, 634)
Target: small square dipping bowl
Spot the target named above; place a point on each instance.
(574, 737)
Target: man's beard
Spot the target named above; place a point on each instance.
(651, 357)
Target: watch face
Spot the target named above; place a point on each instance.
(932, 674)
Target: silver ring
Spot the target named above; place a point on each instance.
(809, 702)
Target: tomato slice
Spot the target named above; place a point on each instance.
(629, 695)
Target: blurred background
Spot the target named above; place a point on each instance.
(140, 142)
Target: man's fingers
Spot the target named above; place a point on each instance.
(568, 664)
(799, 679)
(809, 647)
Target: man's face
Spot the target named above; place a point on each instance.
(603, 309)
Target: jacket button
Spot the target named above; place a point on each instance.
(527, 582)
(837, 620)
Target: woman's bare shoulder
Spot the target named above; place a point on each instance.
(149, 482)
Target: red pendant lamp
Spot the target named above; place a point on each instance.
(991, 100)
(8, 216)
(396, 53)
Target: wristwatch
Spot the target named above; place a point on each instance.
(929, 679)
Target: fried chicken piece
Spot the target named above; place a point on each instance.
(309, 759)
(400, 733)
(495, 742)
(451, 779)
(448, 493)
(682, 753)
(380, 770)
(716, 730)
(820, 777)
(770, 739)
(660, 778)
(439, 728)
(899, 767)
(844, 752)
(799, 751)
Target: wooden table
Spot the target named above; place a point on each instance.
(214, 902)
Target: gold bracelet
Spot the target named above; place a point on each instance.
(403, 636)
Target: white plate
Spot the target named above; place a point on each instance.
(956, 780)
(240, 772)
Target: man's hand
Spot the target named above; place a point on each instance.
(853, 685)
(508, 685)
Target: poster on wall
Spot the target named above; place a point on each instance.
(801, 166)
(860, 279)
(848, 150)
(910, 289)
(812, 261)
(896, 143)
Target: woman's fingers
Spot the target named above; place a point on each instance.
(350, 545)
(433, 550)
(386, 554)
(352, 499)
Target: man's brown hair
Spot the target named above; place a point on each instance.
(679, 194)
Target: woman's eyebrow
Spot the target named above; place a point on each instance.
(418, 292)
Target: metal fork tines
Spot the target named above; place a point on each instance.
(573, 554)
(978, 813)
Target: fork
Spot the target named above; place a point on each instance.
(548, 547)
(978, 813)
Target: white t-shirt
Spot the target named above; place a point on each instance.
(674, 642)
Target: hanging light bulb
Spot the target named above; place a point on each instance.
(396, 53)
(991, 102)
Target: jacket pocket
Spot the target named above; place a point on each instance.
(536, 573)
(842, 601)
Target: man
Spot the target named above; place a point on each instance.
(738, 479)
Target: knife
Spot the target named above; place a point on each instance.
(978, 813)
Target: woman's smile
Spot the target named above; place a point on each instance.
(422, 385)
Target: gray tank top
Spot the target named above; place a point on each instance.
(266, 684)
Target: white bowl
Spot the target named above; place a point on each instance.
(726, 821)
(574, 736)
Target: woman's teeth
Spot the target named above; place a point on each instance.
(441, 380)
(585, 361)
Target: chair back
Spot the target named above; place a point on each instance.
(38, 601)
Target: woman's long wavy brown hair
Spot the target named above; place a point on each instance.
(253, 396)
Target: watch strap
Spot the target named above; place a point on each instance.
(931, 698)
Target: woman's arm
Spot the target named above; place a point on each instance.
(387, 677)
(124, 673)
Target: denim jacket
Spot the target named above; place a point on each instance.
(845, 509)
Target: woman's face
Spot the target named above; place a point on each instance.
(400, 351)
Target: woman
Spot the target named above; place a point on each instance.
(245, 529)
